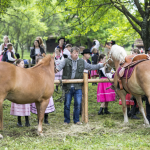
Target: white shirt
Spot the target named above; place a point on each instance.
(37, 51)
(109, 75)
(9, 57)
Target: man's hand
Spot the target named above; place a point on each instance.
(56, 70)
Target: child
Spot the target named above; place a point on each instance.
(66, 51)
(86, 55)
(104, 96)
(21, 109)
(94, 61)
(50, 108)
(136, 51)
(58, 58)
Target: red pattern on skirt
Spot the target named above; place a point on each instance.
(128, 100)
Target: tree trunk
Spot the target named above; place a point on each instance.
(145, 32)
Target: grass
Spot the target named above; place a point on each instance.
(104, 132)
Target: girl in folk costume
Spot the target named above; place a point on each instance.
(86, 55)
(41, 43)
(104, 96)
(58, 59)
(50, 108)
(3, 47)
(21, 109)
(94, 61)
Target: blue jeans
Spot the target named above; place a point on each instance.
(77, 102)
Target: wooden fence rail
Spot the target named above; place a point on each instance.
(85, 82)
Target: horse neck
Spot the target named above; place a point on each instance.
(117, 63)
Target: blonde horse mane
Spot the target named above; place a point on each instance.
(118, 53)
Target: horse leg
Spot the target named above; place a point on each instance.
(139, 101)
(124, 106)
(1, 114)
(1, 110)
(41, 107)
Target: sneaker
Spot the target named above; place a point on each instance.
(78, 123)
(65, 123)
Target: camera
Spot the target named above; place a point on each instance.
(5, 49)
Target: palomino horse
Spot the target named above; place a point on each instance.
(138, 83)
(30, 85)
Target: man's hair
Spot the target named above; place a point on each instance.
(136, 51)
(9, 44)
(75, 48)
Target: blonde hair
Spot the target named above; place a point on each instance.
(94, 49)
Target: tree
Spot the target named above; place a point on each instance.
(91, 13)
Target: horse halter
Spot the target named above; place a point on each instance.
(107, 65)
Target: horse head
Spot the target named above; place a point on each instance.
(116, 56)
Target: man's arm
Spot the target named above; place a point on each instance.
(60, 65)
(92, 67)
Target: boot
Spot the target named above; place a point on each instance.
(56, 87)
(128, 112)
(46, 119)
(106, 111)
(27, 124)
(101, 111)
(19, 124)
(133, 114)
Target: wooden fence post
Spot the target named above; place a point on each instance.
(85, 95)
(29, 63)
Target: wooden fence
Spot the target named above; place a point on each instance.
(85, 82)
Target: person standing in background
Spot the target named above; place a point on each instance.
(96, 45)
(41, 43)
(36, 51)
(61, 45)
(94, 73)
(3, 47)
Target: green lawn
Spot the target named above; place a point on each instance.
(105, 132)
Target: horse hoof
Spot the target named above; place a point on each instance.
(1, 137)
(40, 133)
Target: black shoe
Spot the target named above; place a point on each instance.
(137, 110)
(101, 111)
(27, 124)
(19, 124)
(106, 111)
(134, 117)
(46, 119)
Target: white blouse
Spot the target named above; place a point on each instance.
(37, 51)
